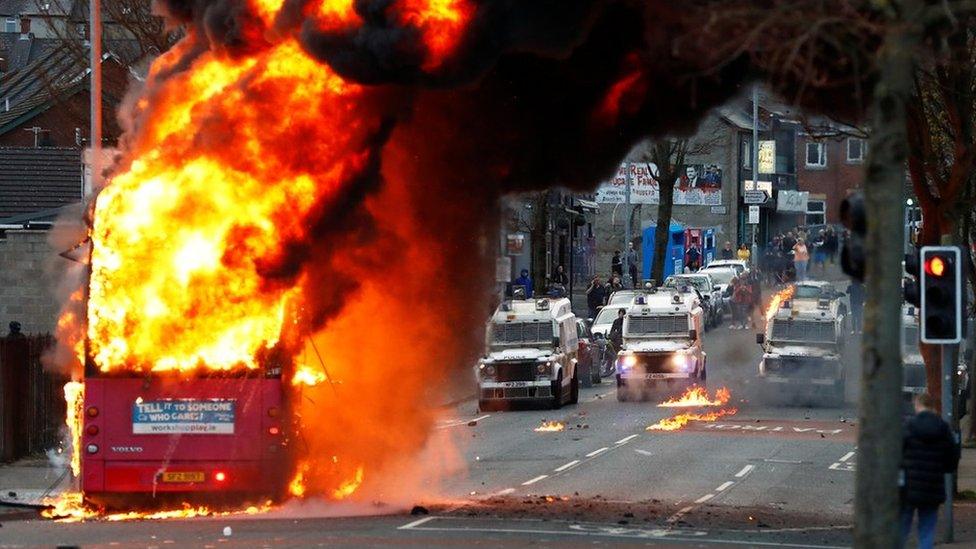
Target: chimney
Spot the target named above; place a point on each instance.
(24, 26)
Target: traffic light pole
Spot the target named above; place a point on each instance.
(947, 374)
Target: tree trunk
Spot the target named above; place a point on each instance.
(663, 231)
(879, 428)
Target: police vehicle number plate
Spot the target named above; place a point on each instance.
(516, 384)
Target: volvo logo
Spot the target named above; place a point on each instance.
(127, 449)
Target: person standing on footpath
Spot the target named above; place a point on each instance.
(616, 264)
(727, 251)
(929, 452)
(632, 260)
(743, 253)
(596, 296)
(801, 257)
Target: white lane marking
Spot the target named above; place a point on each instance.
(724, 485)
(416, 523)
(567, 466)
(505, 492)
(644, 452)
(681, 512)
(847, 456)
(745, 471)
(786, 461)
(535, 480)
(625, 440)
(456, 422)
(704, 498)
(595, 452)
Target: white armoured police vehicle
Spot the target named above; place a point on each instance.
(530, 355)
(803, 342)
(661, 343)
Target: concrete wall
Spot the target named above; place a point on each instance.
(25, 285)
(609, 223)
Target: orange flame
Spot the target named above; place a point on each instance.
(297, 485)
(778, 298)
(550, 427)
(74, 396)
(441, 22)
(680, 420)
(70, 507)
(692, 398)
(307, 376)
(348, 487)
(697, 396)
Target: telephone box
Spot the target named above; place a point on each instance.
(674, 253)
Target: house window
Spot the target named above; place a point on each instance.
(855, 150)
(746, 154)
(10, 25)
(816, 212)
(816, 154)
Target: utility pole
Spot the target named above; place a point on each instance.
(879, 426)
(95, 59)
(624, 267)
(755, 163)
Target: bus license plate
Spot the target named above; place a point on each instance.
(183, 476)
(516, 384)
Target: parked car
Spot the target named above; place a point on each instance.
(587, 355)
(739, 265)
(712, 301)
(722, 276)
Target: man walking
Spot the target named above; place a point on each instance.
(929, 452)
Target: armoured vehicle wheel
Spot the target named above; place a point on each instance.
(557, 392)
(574, 388)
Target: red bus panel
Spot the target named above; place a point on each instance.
(155, 435)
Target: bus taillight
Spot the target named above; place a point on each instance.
(273, 411)
(92, 430)
(92, 448)
(92, 411)
(274, 430)
(220, 476)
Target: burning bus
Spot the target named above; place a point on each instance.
(215, 437)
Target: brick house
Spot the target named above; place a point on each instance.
(828, 167)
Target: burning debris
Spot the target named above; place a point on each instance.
(550, 427)
(70, 507)
(694, 397)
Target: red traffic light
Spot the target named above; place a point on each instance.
(935, 266)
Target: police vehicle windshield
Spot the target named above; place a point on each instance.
(510, 335)
(700, 283)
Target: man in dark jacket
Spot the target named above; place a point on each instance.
(596, 296)
(616, 335)
(929, 452)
